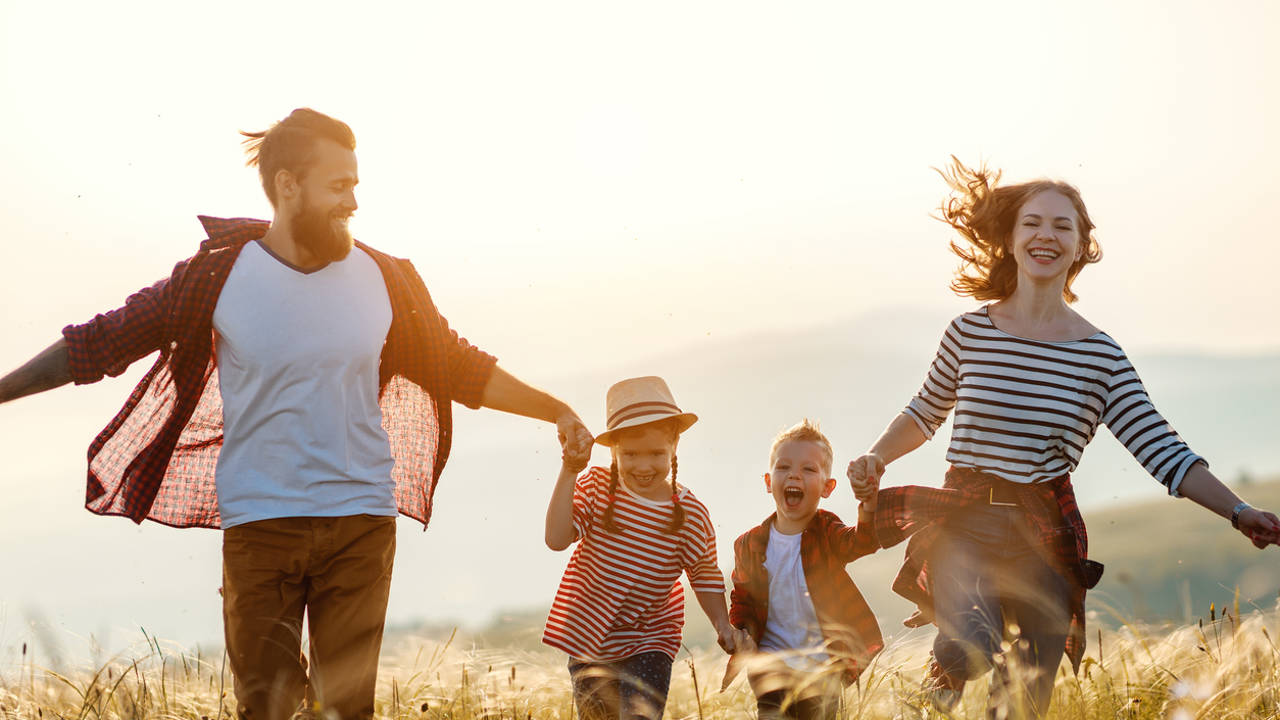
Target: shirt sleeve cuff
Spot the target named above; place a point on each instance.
(80, 361)
(911, 413)
(473, 377)
(1175, 480)
(708, 586)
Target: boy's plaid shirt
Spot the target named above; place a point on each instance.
(156, 458)
(826, 546)
(918, 512)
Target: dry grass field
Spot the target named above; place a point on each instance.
(1221, 667)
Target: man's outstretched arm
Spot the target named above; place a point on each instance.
(46, 371)
(506, 393)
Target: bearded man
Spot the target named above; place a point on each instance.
(301, 400)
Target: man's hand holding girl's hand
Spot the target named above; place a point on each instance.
(575, 442)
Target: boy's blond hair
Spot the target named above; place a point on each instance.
(807, 431)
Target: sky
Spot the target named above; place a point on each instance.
(587, 185)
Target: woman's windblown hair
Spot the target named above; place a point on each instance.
(984, 214)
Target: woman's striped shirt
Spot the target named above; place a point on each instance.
(1025, 409)
(621, 595)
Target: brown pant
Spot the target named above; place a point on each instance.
(336, 569)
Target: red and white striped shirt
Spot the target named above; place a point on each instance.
(620, 595)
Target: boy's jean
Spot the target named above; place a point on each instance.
(784, 692)
(787, 705)
(992, 583)
(633, 688)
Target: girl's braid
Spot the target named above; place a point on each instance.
(677, 514)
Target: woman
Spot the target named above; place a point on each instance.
(999, 554)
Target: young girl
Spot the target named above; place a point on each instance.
(619, 610)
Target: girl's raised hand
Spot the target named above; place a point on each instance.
(573, 434)
(574, 460)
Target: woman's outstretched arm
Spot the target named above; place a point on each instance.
(1206, 490)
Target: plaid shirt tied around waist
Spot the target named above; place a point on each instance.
(848, 626)
(156, 459)
(1050, 506)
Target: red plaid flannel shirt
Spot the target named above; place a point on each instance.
(918, 512)
(826, 546)
(156, 459)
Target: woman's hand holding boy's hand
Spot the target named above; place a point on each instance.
(864, 477)
(867, 467)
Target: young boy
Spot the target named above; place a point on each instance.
(791, 594)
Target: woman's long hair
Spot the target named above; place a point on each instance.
(984, 214)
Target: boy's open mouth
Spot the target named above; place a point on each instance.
(793, 496)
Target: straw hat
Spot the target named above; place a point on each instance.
(640, 401)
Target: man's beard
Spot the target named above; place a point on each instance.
(321, 234)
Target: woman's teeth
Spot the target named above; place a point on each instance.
(1044, 254)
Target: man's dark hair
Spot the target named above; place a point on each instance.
(290, 145)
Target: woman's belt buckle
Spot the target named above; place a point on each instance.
(991, 499)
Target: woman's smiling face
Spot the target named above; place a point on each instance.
(1045, 241)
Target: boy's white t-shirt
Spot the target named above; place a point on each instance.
(792, 627)
(298, 355)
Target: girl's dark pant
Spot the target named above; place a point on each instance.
(633, 688)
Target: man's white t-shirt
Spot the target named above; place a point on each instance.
(792, 629)
(298, 356)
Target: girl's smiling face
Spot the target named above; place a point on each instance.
(644, 459)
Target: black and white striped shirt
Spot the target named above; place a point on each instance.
(1025, 409)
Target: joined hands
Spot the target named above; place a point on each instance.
(575, 442)
(864, 477)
